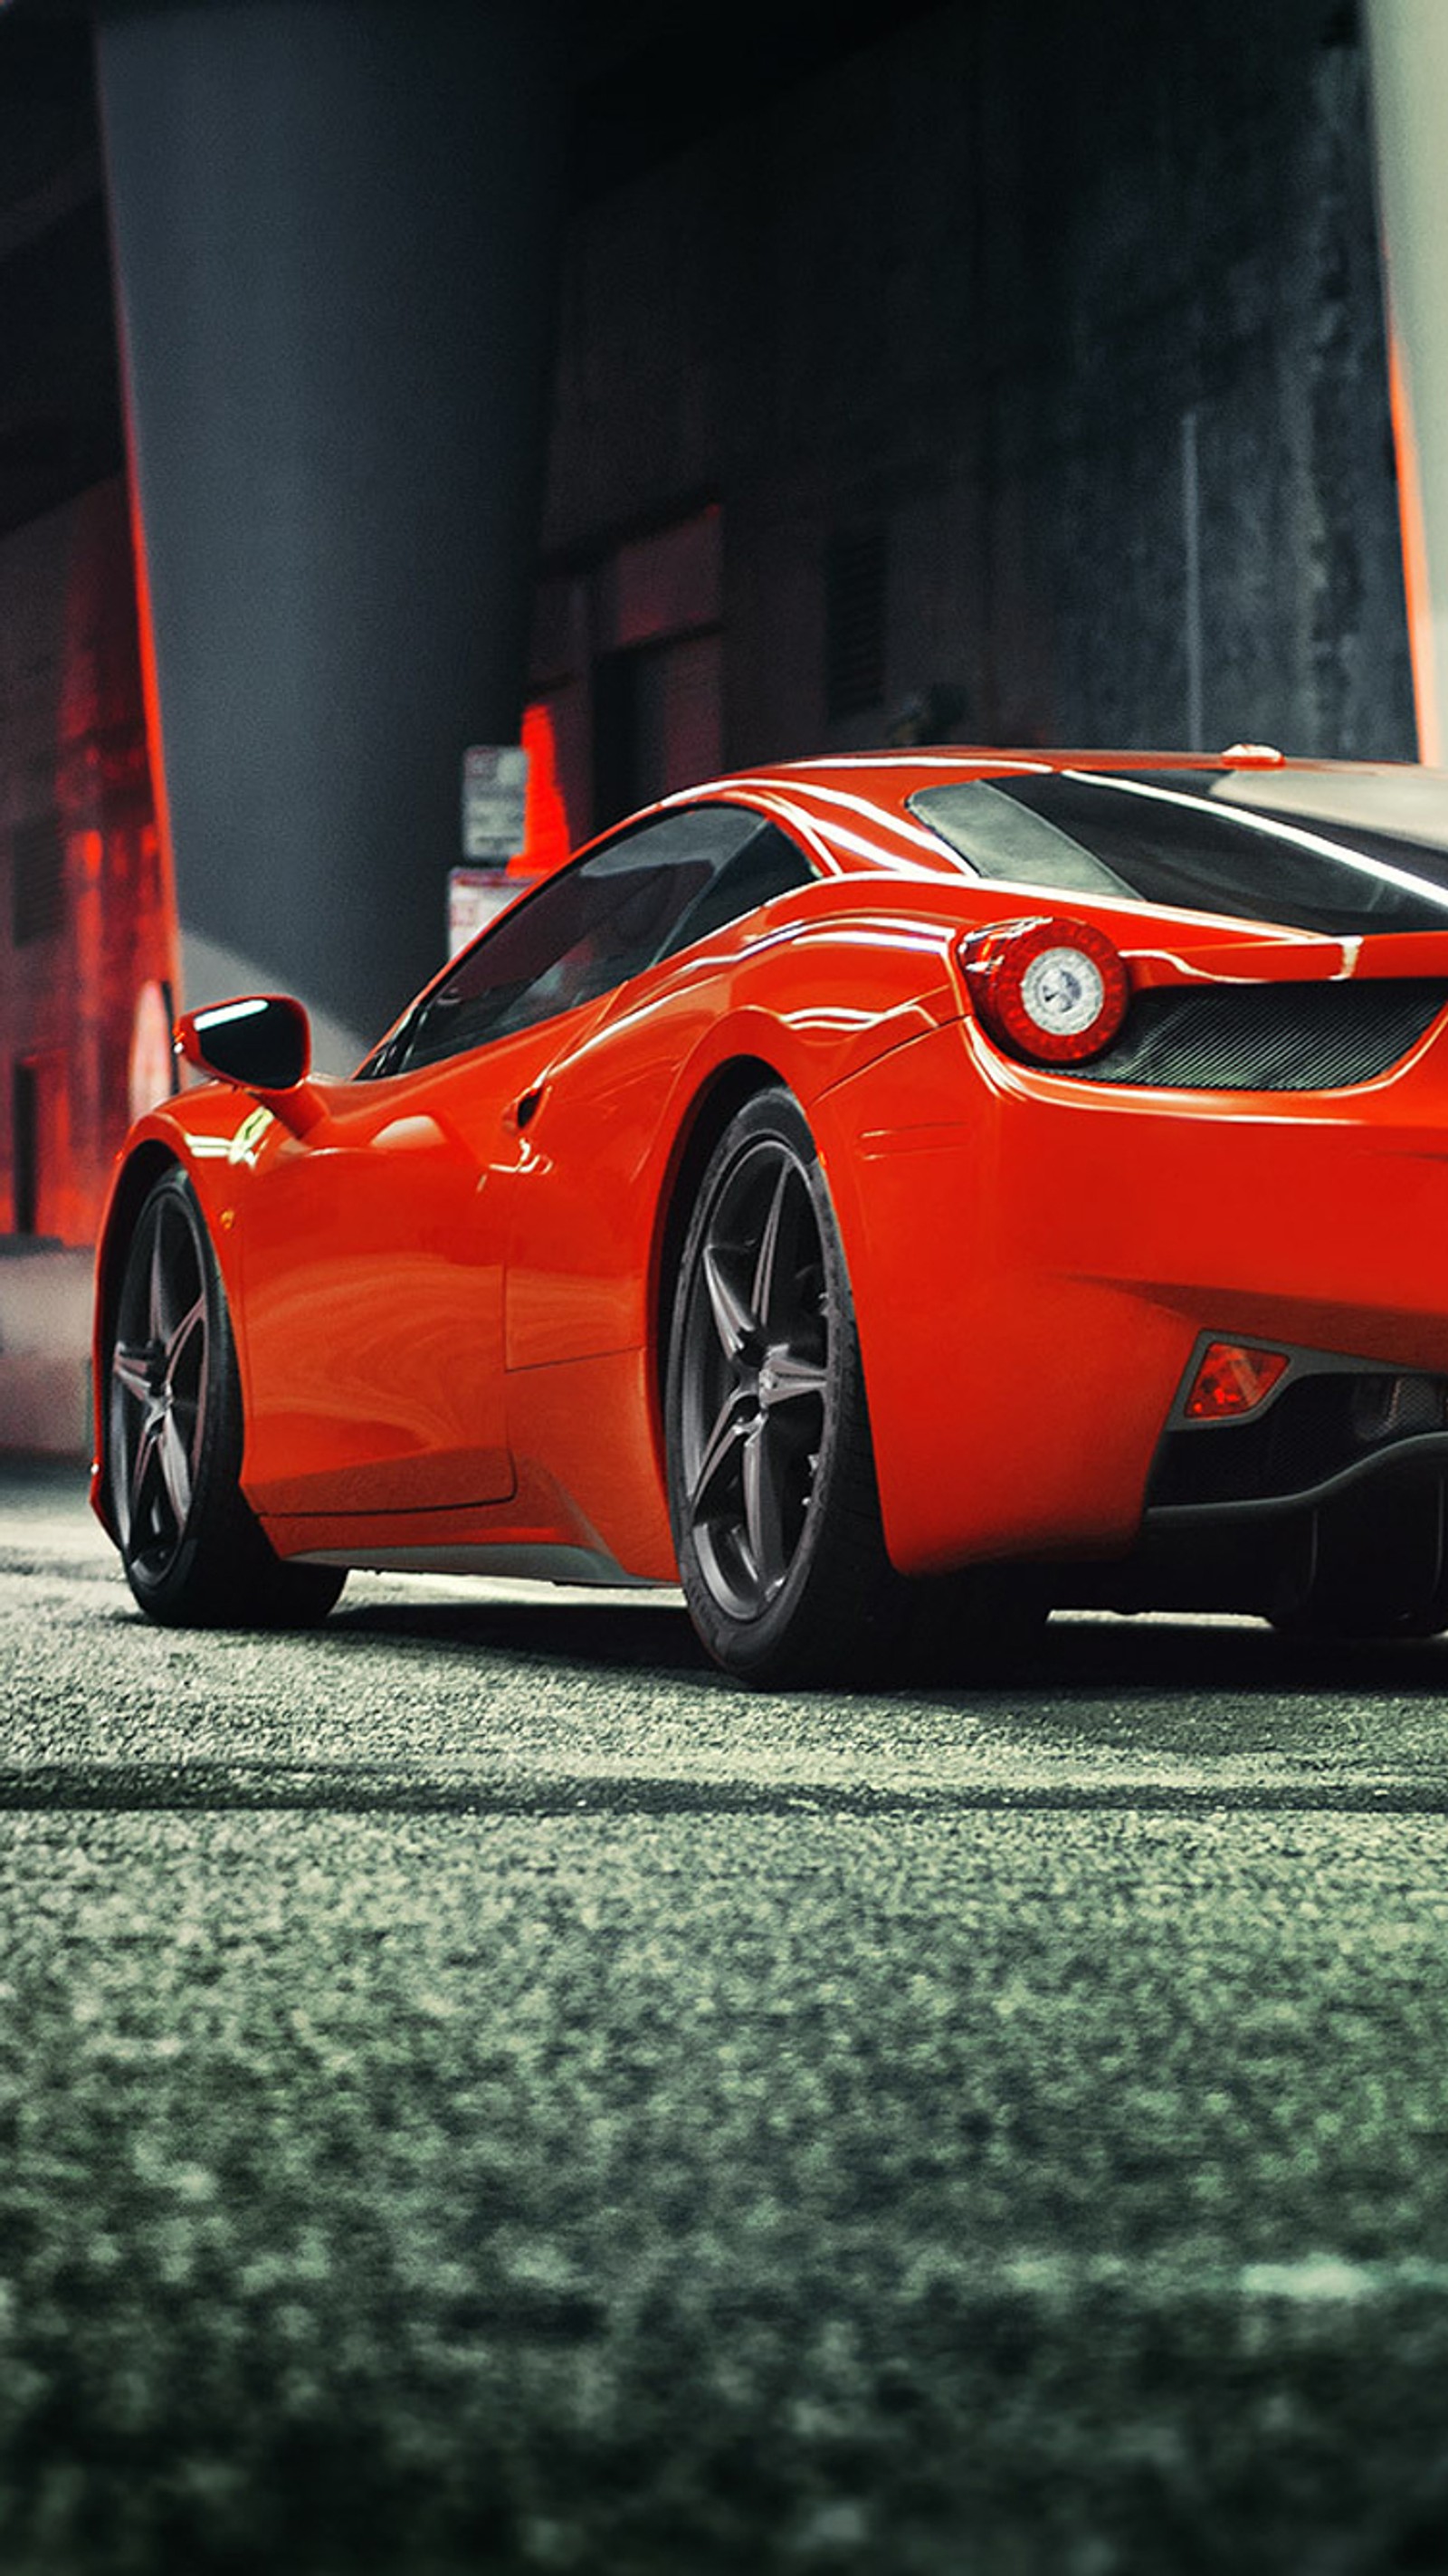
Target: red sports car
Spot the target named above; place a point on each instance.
(951, 1178)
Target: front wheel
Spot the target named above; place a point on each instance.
(193, 1552)
(772, 1493)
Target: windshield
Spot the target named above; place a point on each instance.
(1190, 838)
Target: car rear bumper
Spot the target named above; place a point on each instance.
(1035, 1264)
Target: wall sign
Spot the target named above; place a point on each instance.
(495, 800)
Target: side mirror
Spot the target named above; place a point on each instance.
(263, 1042)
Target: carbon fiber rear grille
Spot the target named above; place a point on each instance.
(1313, 1431)
(1266, 1037)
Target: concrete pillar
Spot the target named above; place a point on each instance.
(335, 226)
(1408, 71)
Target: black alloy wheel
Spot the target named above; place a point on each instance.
(772, 1488)
(160, 1381)
(193, 1552)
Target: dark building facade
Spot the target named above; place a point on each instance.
(1027, 369)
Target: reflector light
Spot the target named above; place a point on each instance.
(1232, 1379)
(1053, 989)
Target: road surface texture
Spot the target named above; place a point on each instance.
(478, 2090)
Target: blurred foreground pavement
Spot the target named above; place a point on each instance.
(478, 2091)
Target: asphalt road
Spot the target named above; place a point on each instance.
(477, 2090)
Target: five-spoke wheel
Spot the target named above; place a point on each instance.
(772, 1487)
(192, 1550)
(159, 1383)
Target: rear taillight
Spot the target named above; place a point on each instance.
(1052, 989)
(1232, 1378)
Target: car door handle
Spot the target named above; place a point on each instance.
(525, 1109)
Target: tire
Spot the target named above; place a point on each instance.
(1350, 1626)
(1369, 1578)
(772, 1492)
(194, 1554)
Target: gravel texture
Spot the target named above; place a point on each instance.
(479, 2091)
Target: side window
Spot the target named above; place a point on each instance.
(767, 863)
(639, 898)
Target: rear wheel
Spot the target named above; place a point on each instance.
(1372, 1574)
(772, 1489)
(1354, 1623)
(193, 1552)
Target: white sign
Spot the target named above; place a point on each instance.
(474, 897)
(495, 801)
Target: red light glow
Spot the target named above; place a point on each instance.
(1232, 1379)
(546, 839)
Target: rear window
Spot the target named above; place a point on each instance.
(1210, 841)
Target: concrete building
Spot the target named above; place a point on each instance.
(1018, 374)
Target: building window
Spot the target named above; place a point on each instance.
(42, 1185)
(629, 655)
(855, 619)
(657, 722)
(37, 882)
(25, 1188)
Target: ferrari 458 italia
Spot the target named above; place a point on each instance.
(970, 1180)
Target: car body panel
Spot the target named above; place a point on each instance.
(1021, 1364)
